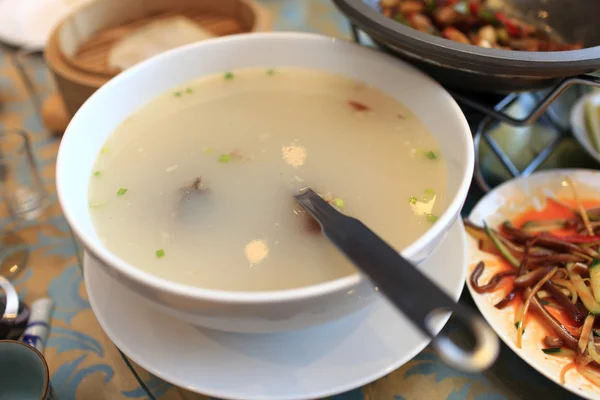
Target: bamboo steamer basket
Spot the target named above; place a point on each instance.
(78, 49)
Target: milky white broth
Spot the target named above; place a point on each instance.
(255, 138)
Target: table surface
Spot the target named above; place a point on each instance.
(83, 361)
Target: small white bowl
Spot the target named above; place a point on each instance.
(579, 127)
(263, 311)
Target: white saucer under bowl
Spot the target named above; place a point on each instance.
(312, 363)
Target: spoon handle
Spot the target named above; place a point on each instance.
(405, 286)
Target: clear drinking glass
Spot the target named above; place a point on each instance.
(23, 193)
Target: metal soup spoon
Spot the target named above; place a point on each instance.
(405, 286)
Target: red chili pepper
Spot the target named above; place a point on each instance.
(501, 17)
(511, 27)
(474, 8)
(358, 106)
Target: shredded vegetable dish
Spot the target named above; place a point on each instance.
(474, 22)
(551, 273)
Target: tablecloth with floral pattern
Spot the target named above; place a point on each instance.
(85, 364)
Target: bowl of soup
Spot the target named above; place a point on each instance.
(178, 175)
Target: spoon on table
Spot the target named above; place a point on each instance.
(404, 285)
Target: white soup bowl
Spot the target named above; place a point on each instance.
(257, 312)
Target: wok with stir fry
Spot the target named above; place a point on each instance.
(553, 275)
(473, 22)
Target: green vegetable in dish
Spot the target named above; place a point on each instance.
(225, 158)
(428, 195)
(501, 247)
(338, 203)
(552, 350)
(431, 155)
(121, 191)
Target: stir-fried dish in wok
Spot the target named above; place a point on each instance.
(474, 22)
(552, 273)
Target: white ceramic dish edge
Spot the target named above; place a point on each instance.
(503, 203)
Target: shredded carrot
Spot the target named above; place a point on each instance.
(564, 371)
(582, 212)
(585, 333)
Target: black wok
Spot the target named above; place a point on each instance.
(468, 67)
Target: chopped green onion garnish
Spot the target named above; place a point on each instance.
(104, 150)
(431, 155)
(487, 15)
(412, 200)
(189, 90)
(97, 173)
(430, 5)
(270, 71)
(121, 192)
(225, 158)
(401, 18)
(228, 75)
(208, 150)
(177, 94)
(551, 350)
(428, 195)
(97, 205)
(160, 253)
(432, 218)
(339, 203)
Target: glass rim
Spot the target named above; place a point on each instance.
(40, 358)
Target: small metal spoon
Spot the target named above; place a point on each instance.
(405, 286)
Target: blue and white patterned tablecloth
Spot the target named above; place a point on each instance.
(85, 364)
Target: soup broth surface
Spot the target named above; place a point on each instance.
(197, 186)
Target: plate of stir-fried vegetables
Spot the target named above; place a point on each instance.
(475, 22)
(534, 272)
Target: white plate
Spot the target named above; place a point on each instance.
(506, 202)
(28, 23)
(578, 125)
(313, 363)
